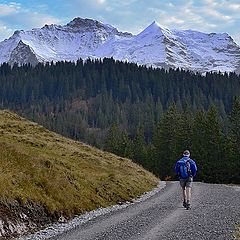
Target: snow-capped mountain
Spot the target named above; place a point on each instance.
(155, 46)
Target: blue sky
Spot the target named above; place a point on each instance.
(127, 15)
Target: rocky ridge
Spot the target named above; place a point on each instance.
(155, 46)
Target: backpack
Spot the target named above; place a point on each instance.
(185, 169)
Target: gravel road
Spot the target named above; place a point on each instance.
(214, 214)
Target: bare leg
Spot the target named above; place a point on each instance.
(188, 194)
(184, 194)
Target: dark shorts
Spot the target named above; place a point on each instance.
(186, 182)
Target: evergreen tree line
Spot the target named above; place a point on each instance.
(216, 150)
(82, 99)
(88, 96)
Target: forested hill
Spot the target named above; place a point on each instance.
(118, 81)
(82, 100)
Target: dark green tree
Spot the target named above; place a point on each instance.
(233, 143)
(140, 147)
(165, 142)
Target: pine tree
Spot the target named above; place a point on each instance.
(184, 137)
(198, 149)
(235, 124)
(126, 146)
(140, 151)
(214, 154)
(233, 143)
(165, 142)
(112, 142)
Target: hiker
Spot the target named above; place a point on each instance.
(186, 169)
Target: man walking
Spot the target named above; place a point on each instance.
(186, 169)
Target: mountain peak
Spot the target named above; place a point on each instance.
(85, 23)
(154, 46)
(80, 22)
(18, 32)
(90, 25)
(49, 26)
(154, 28)
(155, 24)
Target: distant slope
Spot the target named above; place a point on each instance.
(45, 176)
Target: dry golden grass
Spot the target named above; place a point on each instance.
(237, 234)
(65, 176)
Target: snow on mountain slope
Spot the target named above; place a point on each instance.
(7, 46)
(185, 49)
(155, 46)
(145, 48)
(79, 38)
(210, 51)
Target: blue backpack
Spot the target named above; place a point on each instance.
(185, 169)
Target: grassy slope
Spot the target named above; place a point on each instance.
(64, 176)
(237, 235)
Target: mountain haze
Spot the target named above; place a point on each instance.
(154, 46)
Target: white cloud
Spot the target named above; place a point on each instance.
(208, 12)
(187, 16)
(204, 17)
(38, 19)
(222, 4)
(14, 16)
(123, 3)
(8, 9)
(210, 2)
(170, 5)
(3, 27)
(5, 32)
(100, 1)
(94, 3)
(233, 6)
(174, 20)
(216, 14)
(157, 11)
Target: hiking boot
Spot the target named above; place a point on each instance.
(188, 206)
(184, 204)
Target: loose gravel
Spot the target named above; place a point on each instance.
(159, 215)
(59, 228)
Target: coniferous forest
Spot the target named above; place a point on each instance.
(149, 115)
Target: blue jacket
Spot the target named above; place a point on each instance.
(193, 165)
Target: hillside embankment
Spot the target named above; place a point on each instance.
(46, 177)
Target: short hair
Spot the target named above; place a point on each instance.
(186, 153)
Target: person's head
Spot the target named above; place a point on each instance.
(186, 153)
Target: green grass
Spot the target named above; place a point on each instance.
(66, 177)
